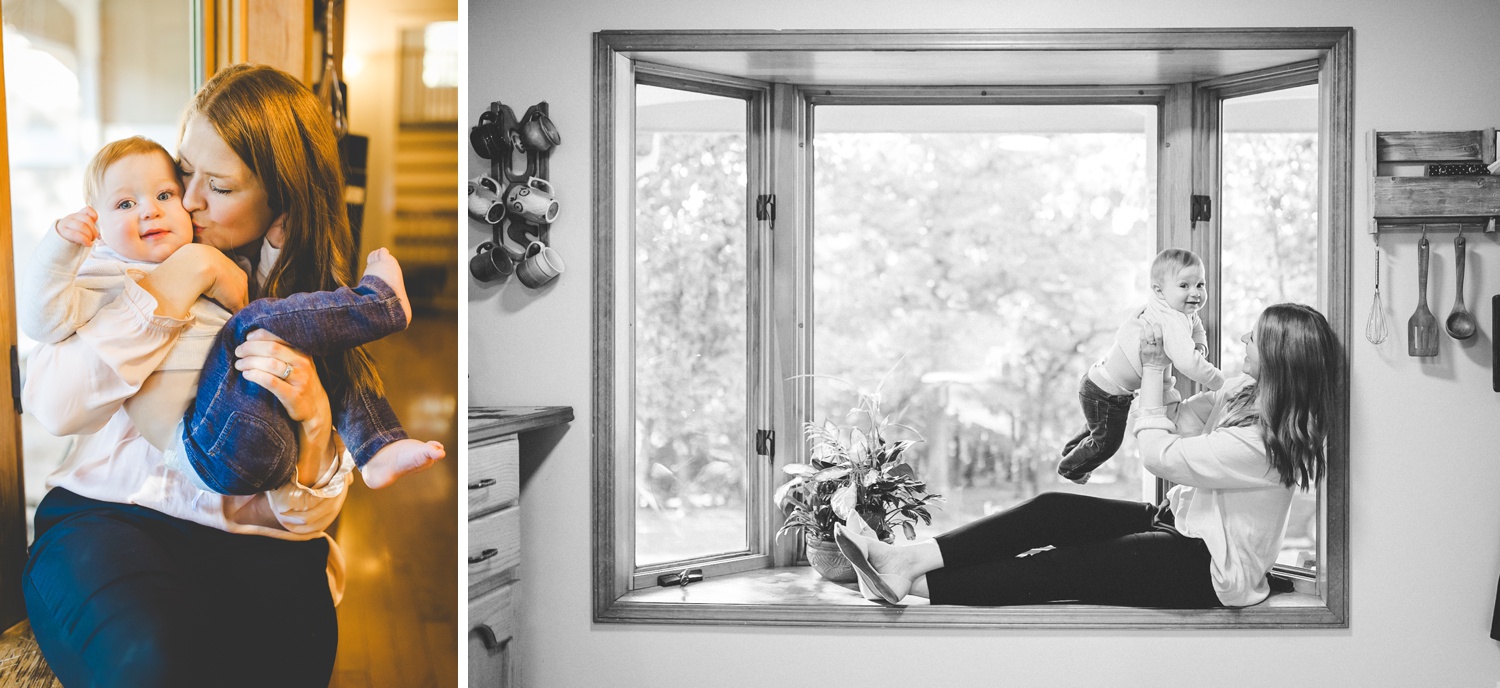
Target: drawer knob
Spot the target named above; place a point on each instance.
(482, 484)
(486, 554)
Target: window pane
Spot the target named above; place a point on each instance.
(1270, 238)
(979, 259)
(691, 313)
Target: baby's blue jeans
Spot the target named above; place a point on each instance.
(238, 437)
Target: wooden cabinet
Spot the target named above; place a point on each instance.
(494, 556)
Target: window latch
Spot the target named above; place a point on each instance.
(765, 442)
(1203, 209)
(765, 209)
(681, 578)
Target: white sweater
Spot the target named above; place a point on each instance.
(1227, 493)
(1119, 370)
(65, 285)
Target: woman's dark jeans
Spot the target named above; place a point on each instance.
(1105, 551)
(237, 435)
(120, 595)
(1104, 418)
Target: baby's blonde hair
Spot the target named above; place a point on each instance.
(1169, 262)
(113, 152)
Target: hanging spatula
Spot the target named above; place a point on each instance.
(1422, 329)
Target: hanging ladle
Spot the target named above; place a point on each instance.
(1461, 323)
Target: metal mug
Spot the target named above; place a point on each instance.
(532, 201)
(489, 136)
(484, 200)
(540, 265)
(491, 263)
(536, 133)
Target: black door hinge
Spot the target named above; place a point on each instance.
(765, 442)
(765, 209)
(15, 378)
(1203, 209)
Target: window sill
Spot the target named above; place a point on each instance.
(798, 596)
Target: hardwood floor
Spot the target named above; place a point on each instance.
(399, 618)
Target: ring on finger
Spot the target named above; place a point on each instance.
(285, 373)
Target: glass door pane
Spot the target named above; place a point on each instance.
(977, 259)
(78, 75)
(691, 315)
(1270, 239)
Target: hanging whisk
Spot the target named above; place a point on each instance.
(1376, 329)
(329, 91)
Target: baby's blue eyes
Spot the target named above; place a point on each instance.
(164, 196)
(125, 205)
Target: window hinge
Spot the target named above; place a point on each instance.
(765, 442)
(1203, 209)
(15, 378)
(765, 209)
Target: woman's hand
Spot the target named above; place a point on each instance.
(1152, 353)
(192, 271)
(270, 362)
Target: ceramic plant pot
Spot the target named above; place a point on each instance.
(828, 561)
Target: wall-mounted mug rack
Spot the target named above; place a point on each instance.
(518, 149)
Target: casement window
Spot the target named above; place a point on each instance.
(963, 219)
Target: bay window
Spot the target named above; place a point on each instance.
(961, 220)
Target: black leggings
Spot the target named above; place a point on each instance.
(1105, 551)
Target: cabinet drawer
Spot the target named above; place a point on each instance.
(494, 475)
(494, 545)
(493, 628)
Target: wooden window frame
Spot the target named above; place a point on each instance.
(1181, 171)
(758, 479)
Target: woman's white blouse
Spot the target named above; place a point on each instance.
(1227, 493)
(79, 386)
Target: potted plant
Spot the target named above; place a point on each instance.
(852, 470)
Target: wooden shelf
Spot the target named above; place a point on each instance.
(1403, 198)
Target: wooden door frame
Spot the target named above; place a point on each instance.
(12, 480)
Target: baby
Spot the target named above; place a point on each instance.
(1177, 286)
(235, 438)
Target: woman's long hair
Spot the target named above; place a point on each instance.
(1293, 395)
(284, 135)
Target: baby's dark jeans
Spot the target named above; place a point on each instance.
(238, 437)
(1104, 419)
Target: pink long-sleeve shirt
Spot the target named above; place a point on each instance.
(79, 387)
(1227, 493)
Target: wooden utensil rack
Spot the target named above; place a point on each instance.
(1403, 197)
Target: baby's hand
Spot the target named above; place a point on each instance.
(80, 228)
(211, 273)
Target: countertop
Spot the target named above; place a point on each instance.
(489, 422)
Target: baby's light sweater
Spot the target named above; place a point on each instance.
(65, 285)
(1119, 371)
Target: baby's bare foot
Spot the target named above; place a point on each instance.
(399, 458)
(383, 265)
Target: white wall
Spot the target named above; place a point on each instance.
(1425, 517)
